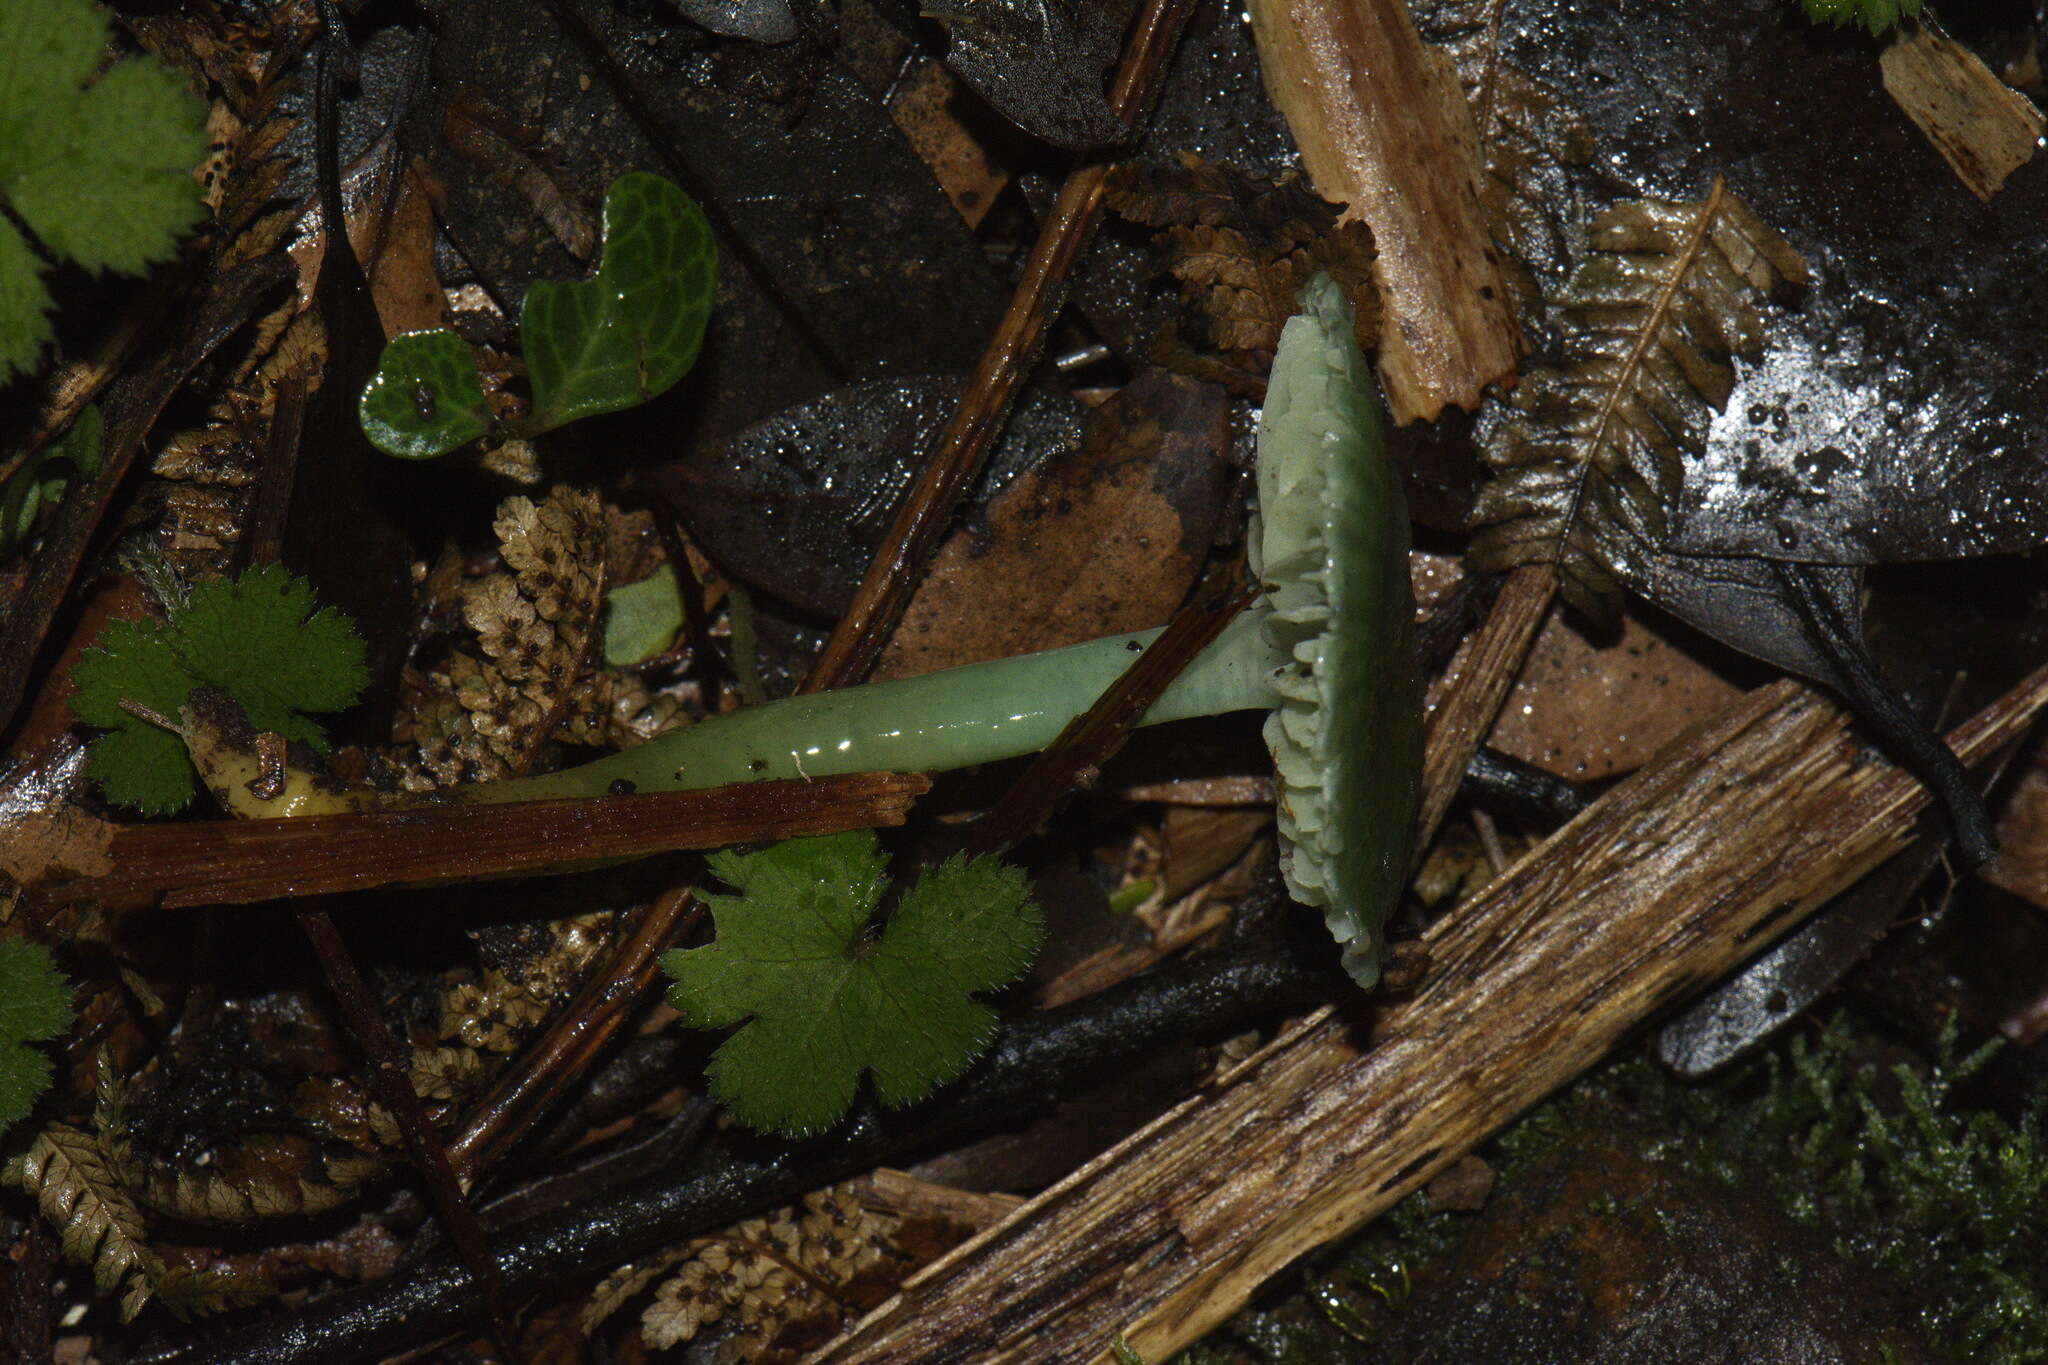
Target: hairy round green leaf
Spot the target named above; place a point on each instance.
(95, 160)
(633, 329)
(425, 399)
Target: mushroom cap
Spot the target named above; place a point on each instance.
(1331, 546)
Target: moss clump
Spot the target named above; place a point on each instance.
(1873, 1153)
(1884, 1162)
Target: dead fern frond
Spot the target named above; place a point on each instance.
(769, 1281)
(1590, 458)
(80, 1192)
(191, 1293)
(1527, 137)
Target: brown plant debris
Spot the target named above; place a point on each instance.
(1096, 541)
(769, 1282)
(1241, 249)
(1724, 843)
(1527, 136)
(1982, 127)
(88, 1183)
(1587, 461)
(486, 715)
(1383, 127)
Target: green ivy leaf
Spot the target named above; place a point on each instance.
(629, 333)
(425, 399)
(820, 997)
(35, 1005)
(98, 167)
(599, 345)
(258, 638)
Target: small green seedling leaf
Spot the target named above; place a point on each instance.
(641, 619)
(44, 476)
(35, 1005)
(425, 399)
(96, 164)
(258, 638)
(821, 996)
(1875, 15)
(630, 332)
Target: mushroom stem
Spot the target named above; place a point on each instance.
(976, 714)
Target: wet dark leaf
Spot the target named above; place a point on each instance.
(1527, 137)
(1899, 413)
(826, 222)
(760, 21)
(1042, 63)
(796, 504)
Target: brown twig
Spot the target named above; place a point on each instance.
(1723, 843)
(927, 510)
(1474, 687)
(543, 1073)
(1092, 737)
(391, 1083)
(240, 862)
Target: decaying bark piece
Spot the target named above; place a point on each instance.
(1719, 846)
(1982, 127)
(1383, 127)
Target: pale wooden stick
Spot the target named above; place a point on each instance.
(1474, 686)
(1725, 841)
(1383, 127)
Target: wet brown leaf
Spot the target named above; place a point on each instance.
(1587, 711)
(1104, 540)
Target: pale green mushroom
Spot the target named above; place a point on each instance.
(1328, 649)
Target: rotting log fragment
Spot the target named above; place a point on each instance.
(1383, 127)
(1769, 805)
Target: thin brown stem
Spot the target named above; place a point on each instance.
(1474, 687)
(528, 1088)
(391, 1082)
(927, 510)
(1093, 737)
(241, 862)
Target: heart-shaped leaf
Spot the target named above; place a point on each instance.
(632, 330)
(613, 341)
(425, 398)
